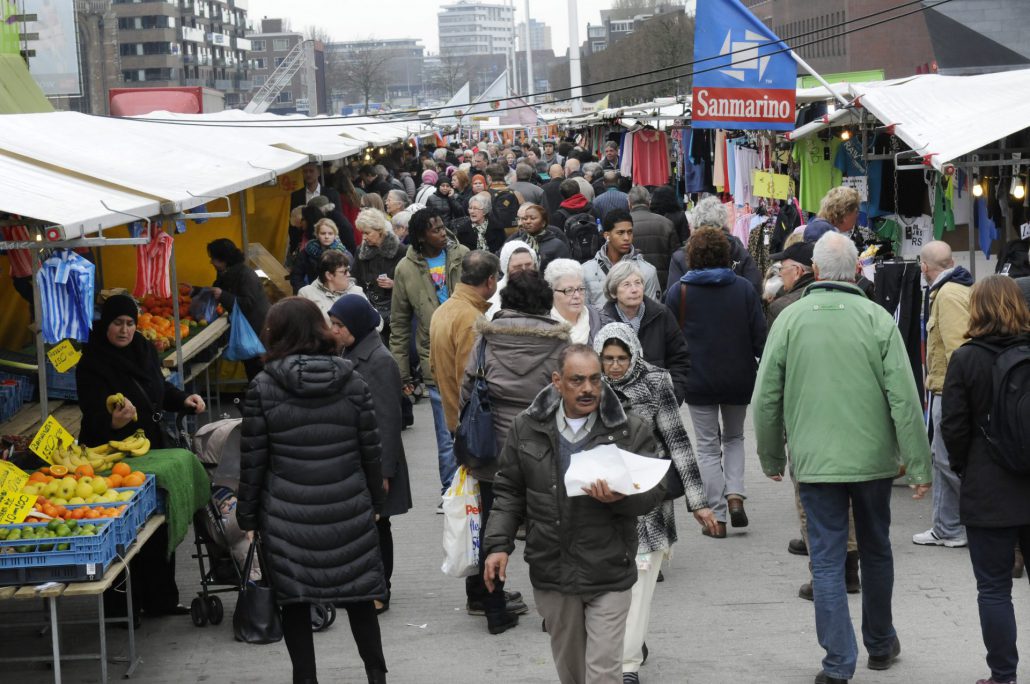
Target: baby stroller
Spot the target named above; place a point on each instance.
(221, 546)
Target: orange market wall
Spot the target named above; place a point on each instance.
(267, 220)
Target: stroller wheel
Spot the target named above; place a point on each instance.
(214, 610)
(322, 615)
(197, 612)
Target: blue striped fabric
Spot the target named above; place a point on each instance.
(66, 283)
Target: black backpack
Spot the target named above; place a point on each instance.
(1008, 424)
(583, 236)
(504, 208)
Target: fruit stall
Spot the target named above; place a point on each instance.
(70, 528)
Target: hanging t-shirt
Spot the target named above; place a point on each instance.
(153, 272)
(650, 158)
(66, 282)
(438, 274)
(849, 161)
(818, 173)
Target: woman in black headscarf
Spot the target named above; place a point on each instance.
(353, 323)
(119, 360)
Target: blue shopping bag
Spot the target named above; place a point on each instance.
(243, 341)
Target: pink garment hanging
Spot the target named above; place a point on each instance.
(650, 158)
(153, 275)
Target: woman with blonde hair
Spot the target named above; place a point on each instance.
(994, 500)
(305, 267)
(378, 256)
(838, 211)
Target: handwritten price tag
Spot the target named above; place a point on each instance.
(51, 437)
(14, 505)
(64, 356)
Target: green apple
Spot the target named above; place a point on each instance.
(99, 485)
(126, 495)
(76, 500)
(50, 488)
(66, 489)
(84, 489)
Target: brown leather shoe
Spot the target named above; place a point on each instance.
(720, 531)
(738, 518)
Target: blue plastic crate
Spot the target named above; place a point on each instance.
(10, 400)
(123, 528)
(26, 384)
(87, 557)
(61, 385)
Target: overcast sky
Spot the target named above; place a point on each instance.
(356, 19)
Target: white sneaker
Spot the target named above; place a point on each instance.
(930, 538)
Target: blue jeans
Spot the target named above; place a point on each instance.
(444, 443)
(827, 508)
(946, 484)
(992, 552)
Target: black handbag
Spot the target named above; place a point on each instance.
(256, 619)
(474, 443)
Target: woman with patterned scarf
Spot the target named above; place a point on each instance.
(646, 390)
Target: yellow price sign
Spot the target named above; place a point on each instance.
(51, 437)
(15, 506)
(64, 356)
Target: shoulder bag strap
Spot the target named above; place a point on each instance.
(683, 304)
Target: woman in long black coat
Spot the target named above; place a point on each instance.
(994, 501)
(353, 321)
(311, 483)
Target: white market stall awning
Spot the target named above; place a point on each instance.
(119, 153)
(74, 202)
(945, 117)
(257, 131)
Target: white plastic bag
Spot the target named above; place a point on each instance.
(461, 525)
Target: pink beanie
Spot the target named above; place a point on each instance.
(429, 177)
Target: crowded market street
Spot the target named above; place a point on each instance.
(727, 611)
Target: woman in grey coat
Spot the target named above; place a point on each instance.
(646, 390)
(353, 322)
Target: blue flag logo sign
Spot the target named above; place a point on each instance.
(749, 77)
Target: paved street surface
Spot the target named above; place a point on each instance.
(727, 611)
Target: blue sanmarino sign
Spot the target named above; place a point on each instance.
(751, 81)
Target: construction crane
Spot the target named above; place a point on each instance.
(279, 79)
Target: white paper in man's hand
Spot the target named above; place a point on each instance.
(625, 472)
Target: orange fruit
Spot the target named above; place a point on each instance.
(121, 469)
(114, 480)
(85, 470)
(58, 470)
(38, 476)
(136, 479)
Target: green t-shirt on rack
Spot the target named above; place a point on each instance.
(818, 174)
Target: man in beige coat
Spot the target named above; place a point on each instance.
(947, 320)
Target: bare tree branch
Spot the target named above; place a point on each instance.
(358, 72)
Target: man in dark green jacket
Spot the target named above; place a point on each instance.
(835, 379)
(581, 550)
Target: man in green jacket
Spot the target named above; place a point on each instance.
(581, 550)
(424, 279)
(835, 378)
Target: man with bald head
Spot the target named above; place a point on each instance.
(947, 320)
(552, 188)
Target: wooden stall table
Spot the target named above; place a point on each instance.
(53, 592)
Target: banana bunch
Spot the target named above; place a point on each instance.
(115, 402)
(75, 455)
(137, 445)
